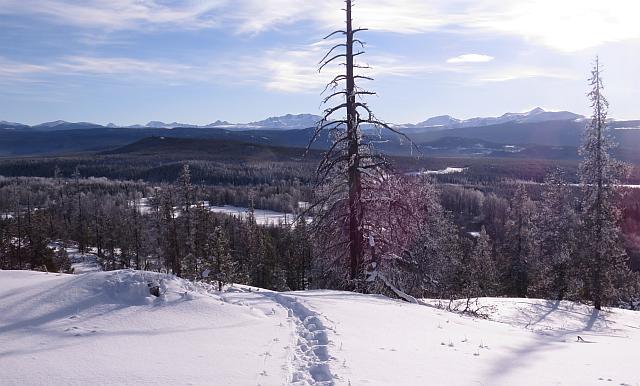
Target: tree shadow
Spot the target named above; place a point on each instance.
(546, 340)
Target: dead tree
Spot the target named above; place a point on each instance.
(350, 165)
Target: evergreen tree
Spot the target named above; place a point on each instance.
(186, 220)
(602, 252)
(218, 263)
(557, 228)
(484, 276)
(519, 247)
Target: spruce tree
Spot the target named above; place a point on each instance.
(520, 247)
(600, 173)
(557, 225)
(483, 267)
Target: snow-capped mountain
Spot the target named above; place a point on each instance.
(12, 125)
(162, 125)
(440, 121)
(64, 125)
(49, 125)
(219, 123)
(536, 115)
(285, 122)
(304, 121)
(288, 122)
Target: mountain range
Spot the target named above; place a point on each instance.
(304, 121)
(534, 134)
(536, 115)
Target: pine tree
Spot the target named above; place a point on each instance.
(484, 275)
(186, 222)
(169, 224)
(81, 231)
(519, 245)
(602, 253)
(218, 262)
(557, 227)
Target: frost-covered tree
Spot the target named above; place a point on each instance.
(187, 199)
(414, 246)
(557, 225)
(602, 251)
(170, 233)
(519, 247)
(483, 277)
(217, 262)
(81, 230)
(350, 166)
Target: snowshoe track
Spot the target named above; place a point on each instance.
(311, 352)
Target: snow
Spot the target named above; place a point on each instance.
(105, 328)
(83, 263)
(263, 216)
(448, 170)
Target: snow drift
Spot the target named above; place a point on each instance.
(107, 328)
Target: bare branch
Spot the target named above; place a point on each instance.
(362, 44)
(386, 126)
(331, 50)
(366, 93)
(331, 60)
(328, 112)
(335, 32)
(333, 95)
(334, 83)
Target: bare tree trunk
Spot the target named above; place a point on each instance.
(355, 185)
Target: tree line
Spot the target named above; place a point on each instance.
(382, 232)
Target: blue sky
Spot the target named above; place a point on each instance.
(197, 61)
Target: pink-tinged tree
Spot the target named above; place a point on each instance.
(350, 168)
(602, 253)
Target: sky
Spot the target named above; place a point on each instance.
(198, 61)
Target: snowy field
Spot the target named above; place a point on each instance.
(448, 170)
(104, 328)
(263, 216)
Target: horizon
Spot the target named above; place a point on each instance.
(199, 62)
(223, 121)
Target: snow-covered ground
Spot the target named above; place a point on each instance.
(105, 328)
(83, 263)
(448, 170)
(262, 216)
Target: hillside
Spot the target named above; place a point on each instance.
(105, 328)
(213, 149)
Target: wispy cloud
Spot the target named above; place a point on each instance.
(282, 70)
(567, 25)
(470, 58)
(515, 73)
(118, 14)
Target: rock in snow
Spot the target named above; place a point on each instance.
(106, 328)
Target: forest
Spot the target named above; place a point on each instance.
(366, 221)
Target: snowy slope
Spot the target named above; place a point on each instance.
(105, 328)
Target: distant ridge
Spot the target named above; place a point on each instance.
(305, 121)
(535, 115)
